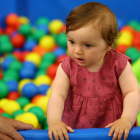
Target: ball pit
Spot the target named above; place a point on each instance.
(30, 58)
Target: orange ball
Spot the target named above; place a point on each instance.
(60, 58)
(13, 95)
(121, 48)
(18, 40)
(1, 75)
(41, 51)
(1, 110)
(12, 19)
(35, 98)
(23, 55)
(51, 71)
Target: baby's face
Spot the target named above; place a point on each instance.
(86, 46)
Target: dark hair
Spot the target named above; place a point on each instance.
(97, 14)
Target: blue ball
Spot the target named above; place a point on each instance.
(59, 51)
(42, 89)
(29, 45)
(29, 90)
(43, 27)
(29, 65)
(12, 85)
(27, 73)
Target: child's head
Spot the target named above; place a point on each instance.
(102, 18)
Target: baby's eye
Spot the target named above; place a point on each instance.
(88, 45)
(72, 42)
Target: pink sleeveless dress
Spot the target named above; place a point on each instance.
(95, 98)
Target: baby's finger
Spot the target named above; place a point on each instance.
(126, 134)
(120, 134)
(50, 135)
(69, 129)
(66, 134)
(60, 135)
(116, 132)
(109, 125)
(4, 137)
(55, 133)
(111, 131)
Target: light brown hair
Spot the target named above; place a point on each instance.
(97, 14)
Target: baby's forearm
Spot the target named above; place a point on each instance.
(55, 108)
(131, 107)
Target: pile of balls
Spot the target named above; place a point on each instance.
(29, 57)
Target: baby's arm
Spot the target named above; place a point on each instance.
(59, 93)
(130, 89)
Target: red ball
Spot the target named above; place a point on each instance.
(1, 110)
(51, 71)
(1, 31)
(1, 75)
(12, 19)
(18, 40)
(9, 30)
(13, 95)
(60, 58)
(121, 48)
(18, 54)
(23, 55)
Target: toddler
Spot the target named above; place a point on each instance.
(94, 86)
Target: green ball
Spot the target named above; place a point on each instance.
(18, 112)
(3, 89)
(133, 53)
(25, 29)
(6, 115)
(62, 40)
(4, 38)
(55, 36)
(134, 23)
(49, 57)
(43, 20)
(6, 47)
(38, 34)
(16, 66)
(23, 101)
(44, 65)
(38, 112)
(44, 124)
(11, 75)
(40, 72)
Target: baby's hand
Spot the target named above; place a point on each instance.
(59, 129)
(119, 127)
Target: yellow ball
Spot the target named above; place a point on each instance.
(55, 26)
(22, 83)
(47, 42)
(34, 58)
(48, 93)
(3, 102)
(29, 118)
(42, 79)
(11, 107)
(24, 20)
(28, 106)
(42, 103)
(125, 38)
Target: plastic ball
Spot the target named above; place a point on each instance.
(23, 55)
(59, 51)
(24, 20)
(121, 48)
(128, 29)
(39, 50)
(18, 40)
(13, 95)
(1, 110)
(33, 57)
(49, 56)
(12, 85)
(47, 42)
(11, 19)
(23, 101)
(29, 65)
(15, 65)
(25, 29)
(42, 79)
(38, 112)
(1, 75)
(3, 89)
(29, 45)
(43, 20)
(35, 98)
(9, 30)
(62, 40)
(18, 112)
(3, 102)
(44, 28)
(38, 34)
(60, 58)
(29, 90)
(51, 71)
(40, 72)
(134, 23)
(42, 89)
(48, 93)
(17, 55)
(4, 38)
(55, 25)
(44, 65)
(45, 124)
(1, 31)
(29, 118)
(11, 107)
(125, 38)
(22, 83)
(27, 73)
(6, 47)
(42, 103)
(6, 115)
(28, 106)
